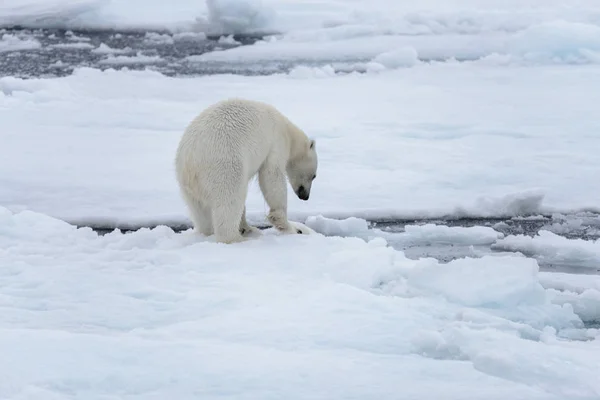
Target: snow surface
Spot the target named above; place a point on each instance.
(374, 17)
(554, 42)
(555, 249)
(10, 42)
(103, 48)
(547, 248)
(441, 139)
(549, 31)
(156, 314)
(72, 46)
(569, 282)
(430, 234)
(139, 58)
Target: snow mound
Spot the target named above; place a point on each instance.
(586, 304)
(557, 41)
(402, 57)
(48, 13)
(498, 282)
(106, 49)
(554, 249)
(332, 227)
(139, 58)
(237, 16)
(569, 282)
(429, 234)
(436, 234)
(10, 42)
(71, 46)
(304, 72)
(510, 205)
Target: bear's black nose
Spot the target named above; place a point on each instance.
(302, 193)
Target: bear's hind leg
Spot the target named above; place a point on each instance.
(200, 215)
(227, 217)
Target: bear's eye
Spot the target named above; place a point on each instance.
(314, 176)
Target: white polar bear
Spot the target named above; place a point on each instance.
(223, 148)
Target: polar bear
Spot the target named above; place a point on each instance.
(223, 148)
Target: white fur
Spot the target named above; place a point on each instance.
(223, 148)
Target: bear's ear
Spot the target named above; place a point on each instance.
(312, 144)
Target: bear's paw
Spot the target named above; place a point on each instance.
(302, 229)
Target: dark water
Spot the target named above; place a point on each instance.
(61, 51)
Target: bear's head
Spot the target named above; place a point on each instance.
(302, 170)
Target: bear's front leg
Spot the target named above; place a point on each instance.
(271, 179)
(246, 229)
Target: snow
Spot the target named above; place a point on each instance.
(103, 48)
(358, 30)
(72, 46)
(559, 42)
(558, 39)
(462, 108)
(555, 249)
(569, 282)
(230, 16)
(433, 140)
(99, 14)
(10, 42)
(586, 304)
(430, 234)
(402, 57)
(156, 314)
(139, 58)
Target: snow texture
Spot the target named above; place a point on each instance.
(499, 31)
(462, 108)
(433, 140)
(103, 48)
(10, 42)
(554, 249)
(72, 46)
(156, 314)
(430, 234)
(139, 58)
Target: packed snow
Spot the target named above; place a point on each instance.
(10, 42)
(430, 109)
(156, 314)
(72, 46)
(139, 58)
(555, 249)
(569, 282)
(352, 17)
(103, 48)
(428, 233)
(433, 140)
(529, 30)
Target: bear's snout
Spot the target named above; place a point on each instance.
(302, 193)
